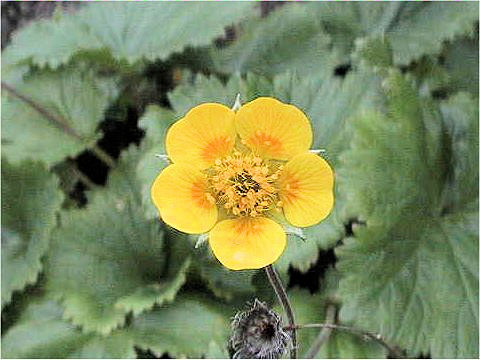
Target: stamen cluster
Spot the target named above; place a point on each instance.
(244, 184)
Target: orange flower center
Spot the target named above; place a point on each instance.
(245, 184)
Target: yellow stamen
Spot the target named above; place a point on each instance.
(244, 184)
(210, 198)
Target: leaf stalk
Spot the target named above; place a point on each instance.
(394, 353)
(60, 123)
(324, 334)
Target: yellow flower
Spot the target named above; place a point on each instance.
(234, 172)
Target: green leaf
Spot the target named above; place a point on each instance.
(461, 62)
(149, 295)
(108, 259)
(413, 29)
(330, 103)
(215, 351)
(373, 51)
(411, 273)
(460, 116)
(41, 332)
(155, 30)
(30, 201)
(290, 38)
(49, 42)
(346, 346)
(303, 253)
(76, 99)
(183, 329)
(422, 28)
(317, 37)
(129, 31)
(13, 74)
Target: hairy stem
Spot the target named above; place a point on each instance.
(324, 334)
(394, 353)
(283, 298)
(102, 155)
(59, 122)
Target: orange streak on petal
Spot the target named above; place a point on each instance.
(216, 148)
(199, 195)
(290, 188)
(262, 140)
(247, 227)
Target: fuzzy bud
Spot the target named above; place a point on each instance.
(257, 334)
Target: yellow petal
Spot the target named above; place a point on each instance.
(206, 133)
(272, 129)
(306, 189)
(247, 243)
(180, 195)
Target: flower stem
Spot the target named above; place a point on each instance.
(394, 353)
(283, 298)
(324, 334)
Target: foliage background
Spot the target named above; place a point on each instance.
(88, 270)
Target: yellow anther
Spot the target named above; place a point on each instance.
(243, 185)
(210, 198)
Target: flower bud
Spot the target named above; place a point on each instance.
(257, 333)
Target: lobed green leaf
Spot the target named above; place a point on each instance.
(317, 37)
(128, 31)
(108, 259)
(169, 328)
(77, 100)
(411, 272)
(40, 332)
(30, 202)
(290, 39)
